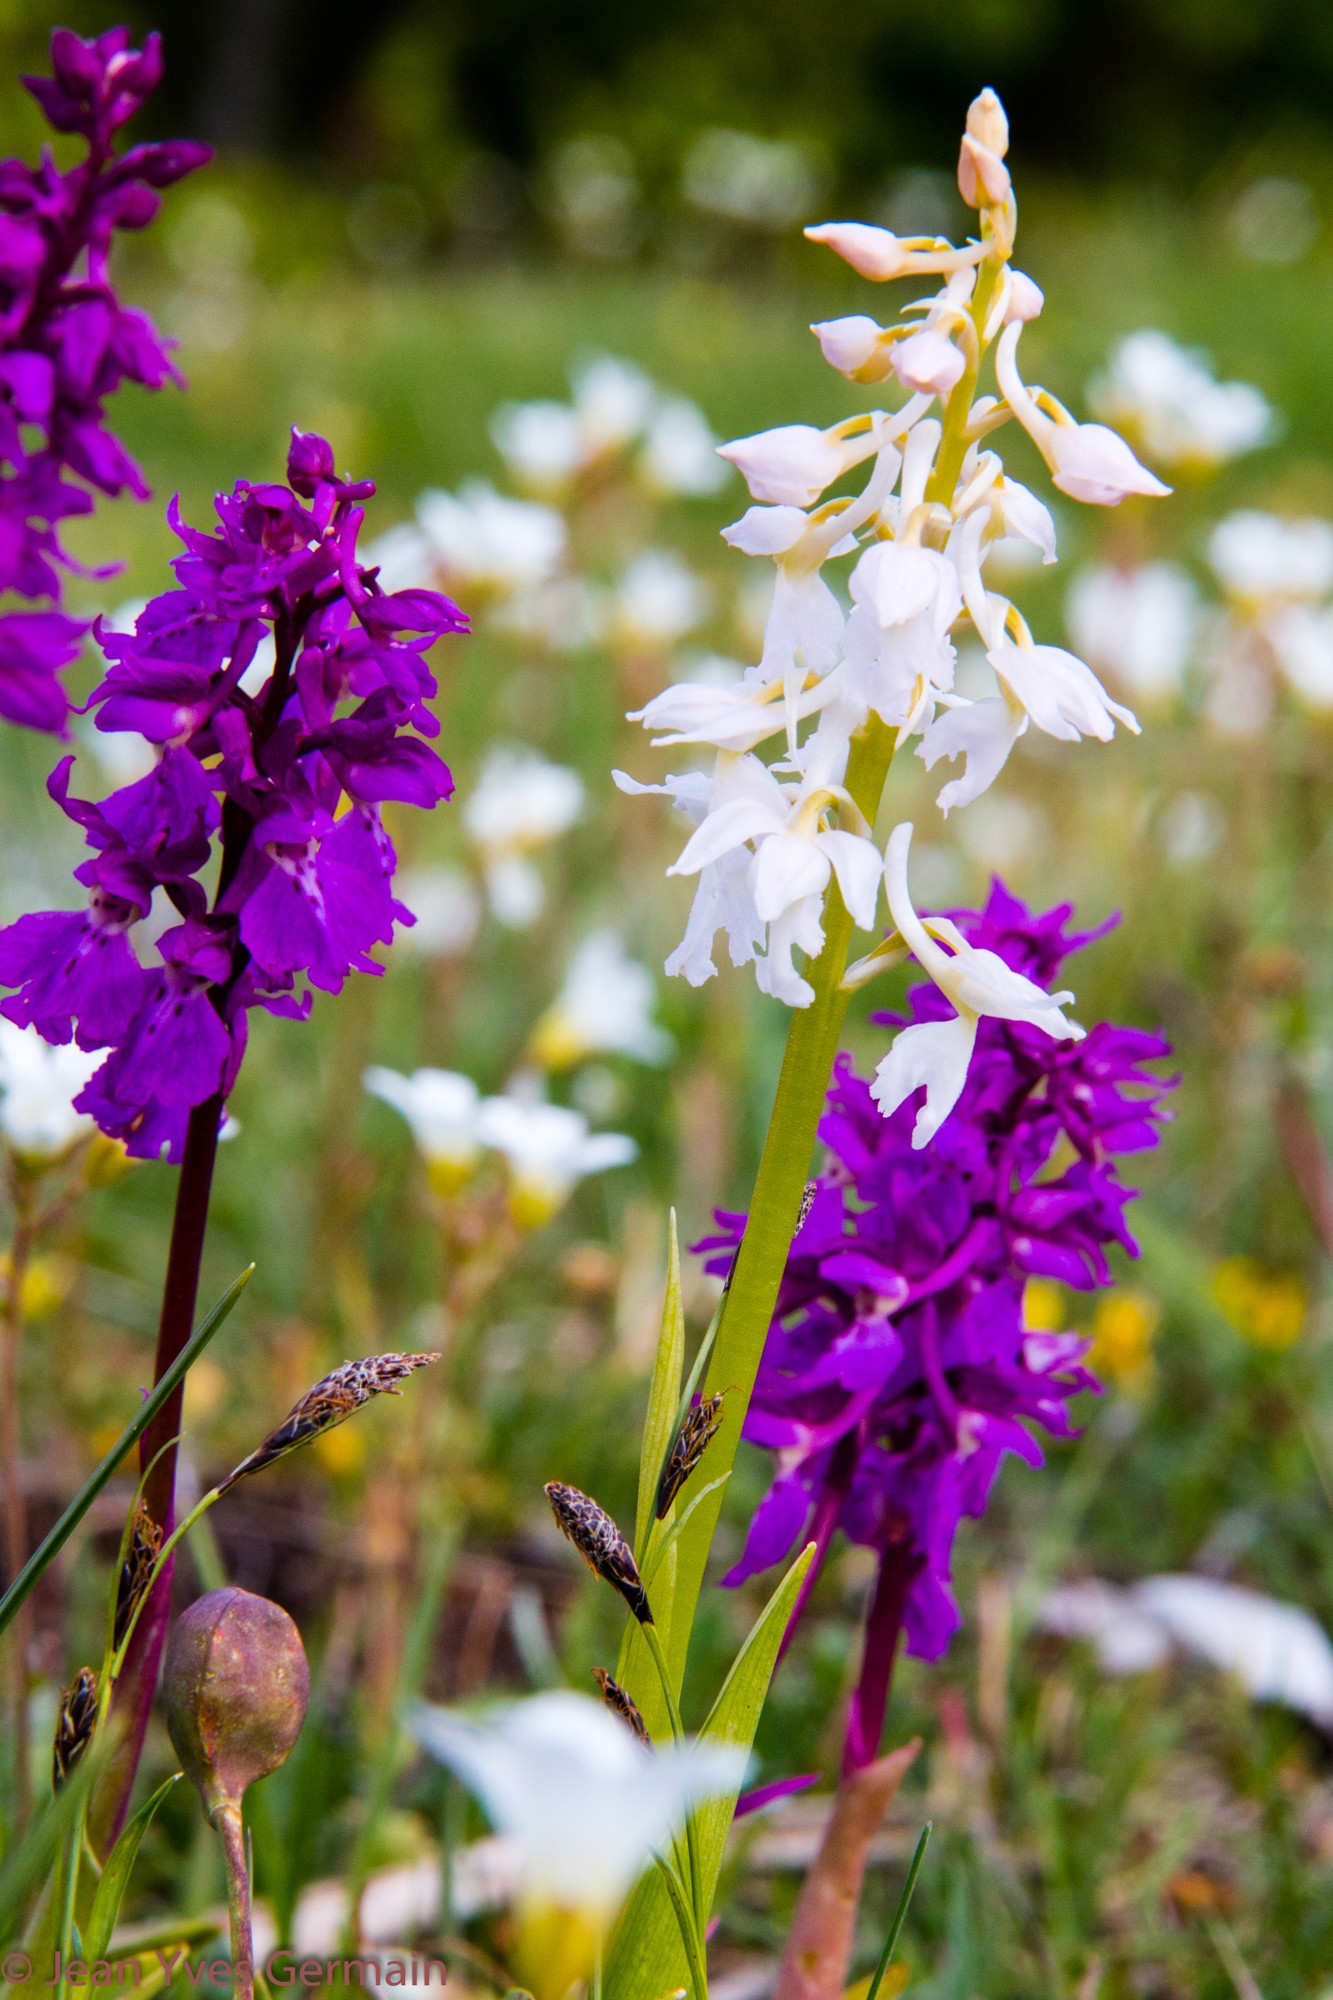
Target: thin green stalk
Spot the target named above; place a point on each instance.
(900, 1914)
(654, 1645)
(812, 1043)
(133, 1431)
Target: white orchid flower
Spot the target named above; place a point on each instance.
(928, 361)
(856, 346)
(738, 715)
(38, 1084)
(519, 804)
(586, 1806)
(541, 442)
(613, 401)
(792, 465)
(1063, 697)
(982, 733)
(442, 1110)
(879, 254)
(899, 655)
(548, 1150)
(795, 854)
(722, 901)
(604, 1007)
(1087, 461)
(936, 1054)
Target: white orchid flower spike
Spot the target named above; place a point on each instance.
(936, 1054)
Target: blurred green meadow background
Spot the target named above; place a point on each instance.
(419, 214)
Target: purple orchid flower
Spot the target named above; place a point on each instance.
(284, 764)
(898, 1371)
(67, 343)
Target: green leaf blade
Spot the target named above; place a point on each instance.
(116, 1874)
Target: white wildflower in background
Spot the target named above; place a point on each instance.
(1168, 400)
(679, 454)
(656, 602)
(585, 1804)
(617, 413)
(1260, 558)
(605, 1007)
(38, 1084)
(1136, 624)
(1277, 583)
(1277, 1651)
(482, 540)
(519, 804)
(442, 1110)
(447, 909)
(548, 1150)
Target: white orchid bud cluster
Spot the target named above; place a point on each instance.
(935, 501)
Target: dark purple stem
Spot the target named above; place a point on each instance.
(180, 1293)
(870, 1699)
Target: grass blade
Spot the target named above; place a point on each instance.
(899, 1915)
(664, 1396)
(53, 1543)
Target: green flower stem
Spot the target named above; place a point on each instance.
(812, 1043)
(654, 1645)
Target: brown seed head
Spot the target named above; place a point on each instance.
(236, 1684)
(145, 1545)
(600, 1543)
(691, 1442)
(622, 1704)
(332, 1401)
(74, 1725)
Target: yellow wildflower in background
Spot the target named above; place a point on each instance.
(47, 1283)
(1268, 1308)
(1044, 1309)
(1122, 1330)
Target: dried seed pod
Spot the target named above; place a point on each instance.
(688, 1447)
(74, 1725)
(136, 1571)
(332, 1400)
(622, 1704)
(236, 1684)
(600, 1543)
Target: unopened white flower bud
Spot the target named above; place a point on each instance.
(766, 531)
(1026, 299)
(927, 362)
(987, 123)
(789, 466)
(855, 347)
(875, 253)
(983, 178)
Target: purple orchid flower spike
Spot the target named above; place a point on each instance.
(898, 1372)
(288, 695)
(67, 343)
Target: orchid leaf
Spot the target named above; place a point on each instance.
(646, 1957)
(116, 1874)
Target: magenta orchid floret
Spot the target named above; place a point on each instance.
(283, 687)
(67, 343)
(898, 1371)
